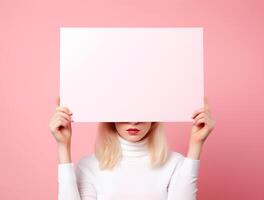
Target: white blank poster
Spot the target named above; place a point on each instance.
(131, 74)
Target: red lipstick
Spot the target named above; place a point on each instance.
(133, 130)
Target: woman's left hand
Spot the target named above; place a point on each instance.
(203, 124)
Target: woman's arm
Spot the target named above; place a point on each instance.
(183, 184)
(194, 151)
(203, 124)
(64, 153)
(67, 188)
(74, 184)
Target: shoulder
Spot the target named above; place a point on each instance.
(176, 156)
(87, 163)
(86, 168)
(188, 165)
(88, 159)
(176, 159)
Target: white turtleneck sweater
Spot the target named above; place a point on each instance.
(132, 180)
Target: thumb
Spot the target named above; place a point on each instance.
(206, 103)
(58, 101)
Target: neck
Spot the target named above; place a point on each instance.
(133, 149)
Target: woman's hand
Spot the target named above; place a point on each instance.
(203, 124)
(60, 124)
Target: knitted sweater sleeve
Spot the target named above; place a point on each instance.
(183, 183)
(74, 183)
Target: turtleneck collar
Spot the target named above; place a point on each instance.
(133, 149)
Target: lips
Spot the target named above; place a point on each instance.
(132, 129)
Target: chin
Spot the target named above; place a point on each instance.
(134, 138)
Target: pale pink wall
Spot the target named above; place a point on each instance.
(232, 160)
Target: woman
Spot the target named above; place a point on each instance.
(130, 164)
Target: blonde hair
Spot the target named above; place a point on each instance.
(108, 149)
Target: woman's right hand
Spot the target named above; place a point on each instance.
(60, 124)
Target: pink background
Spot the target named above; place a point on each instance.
(232, 159)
